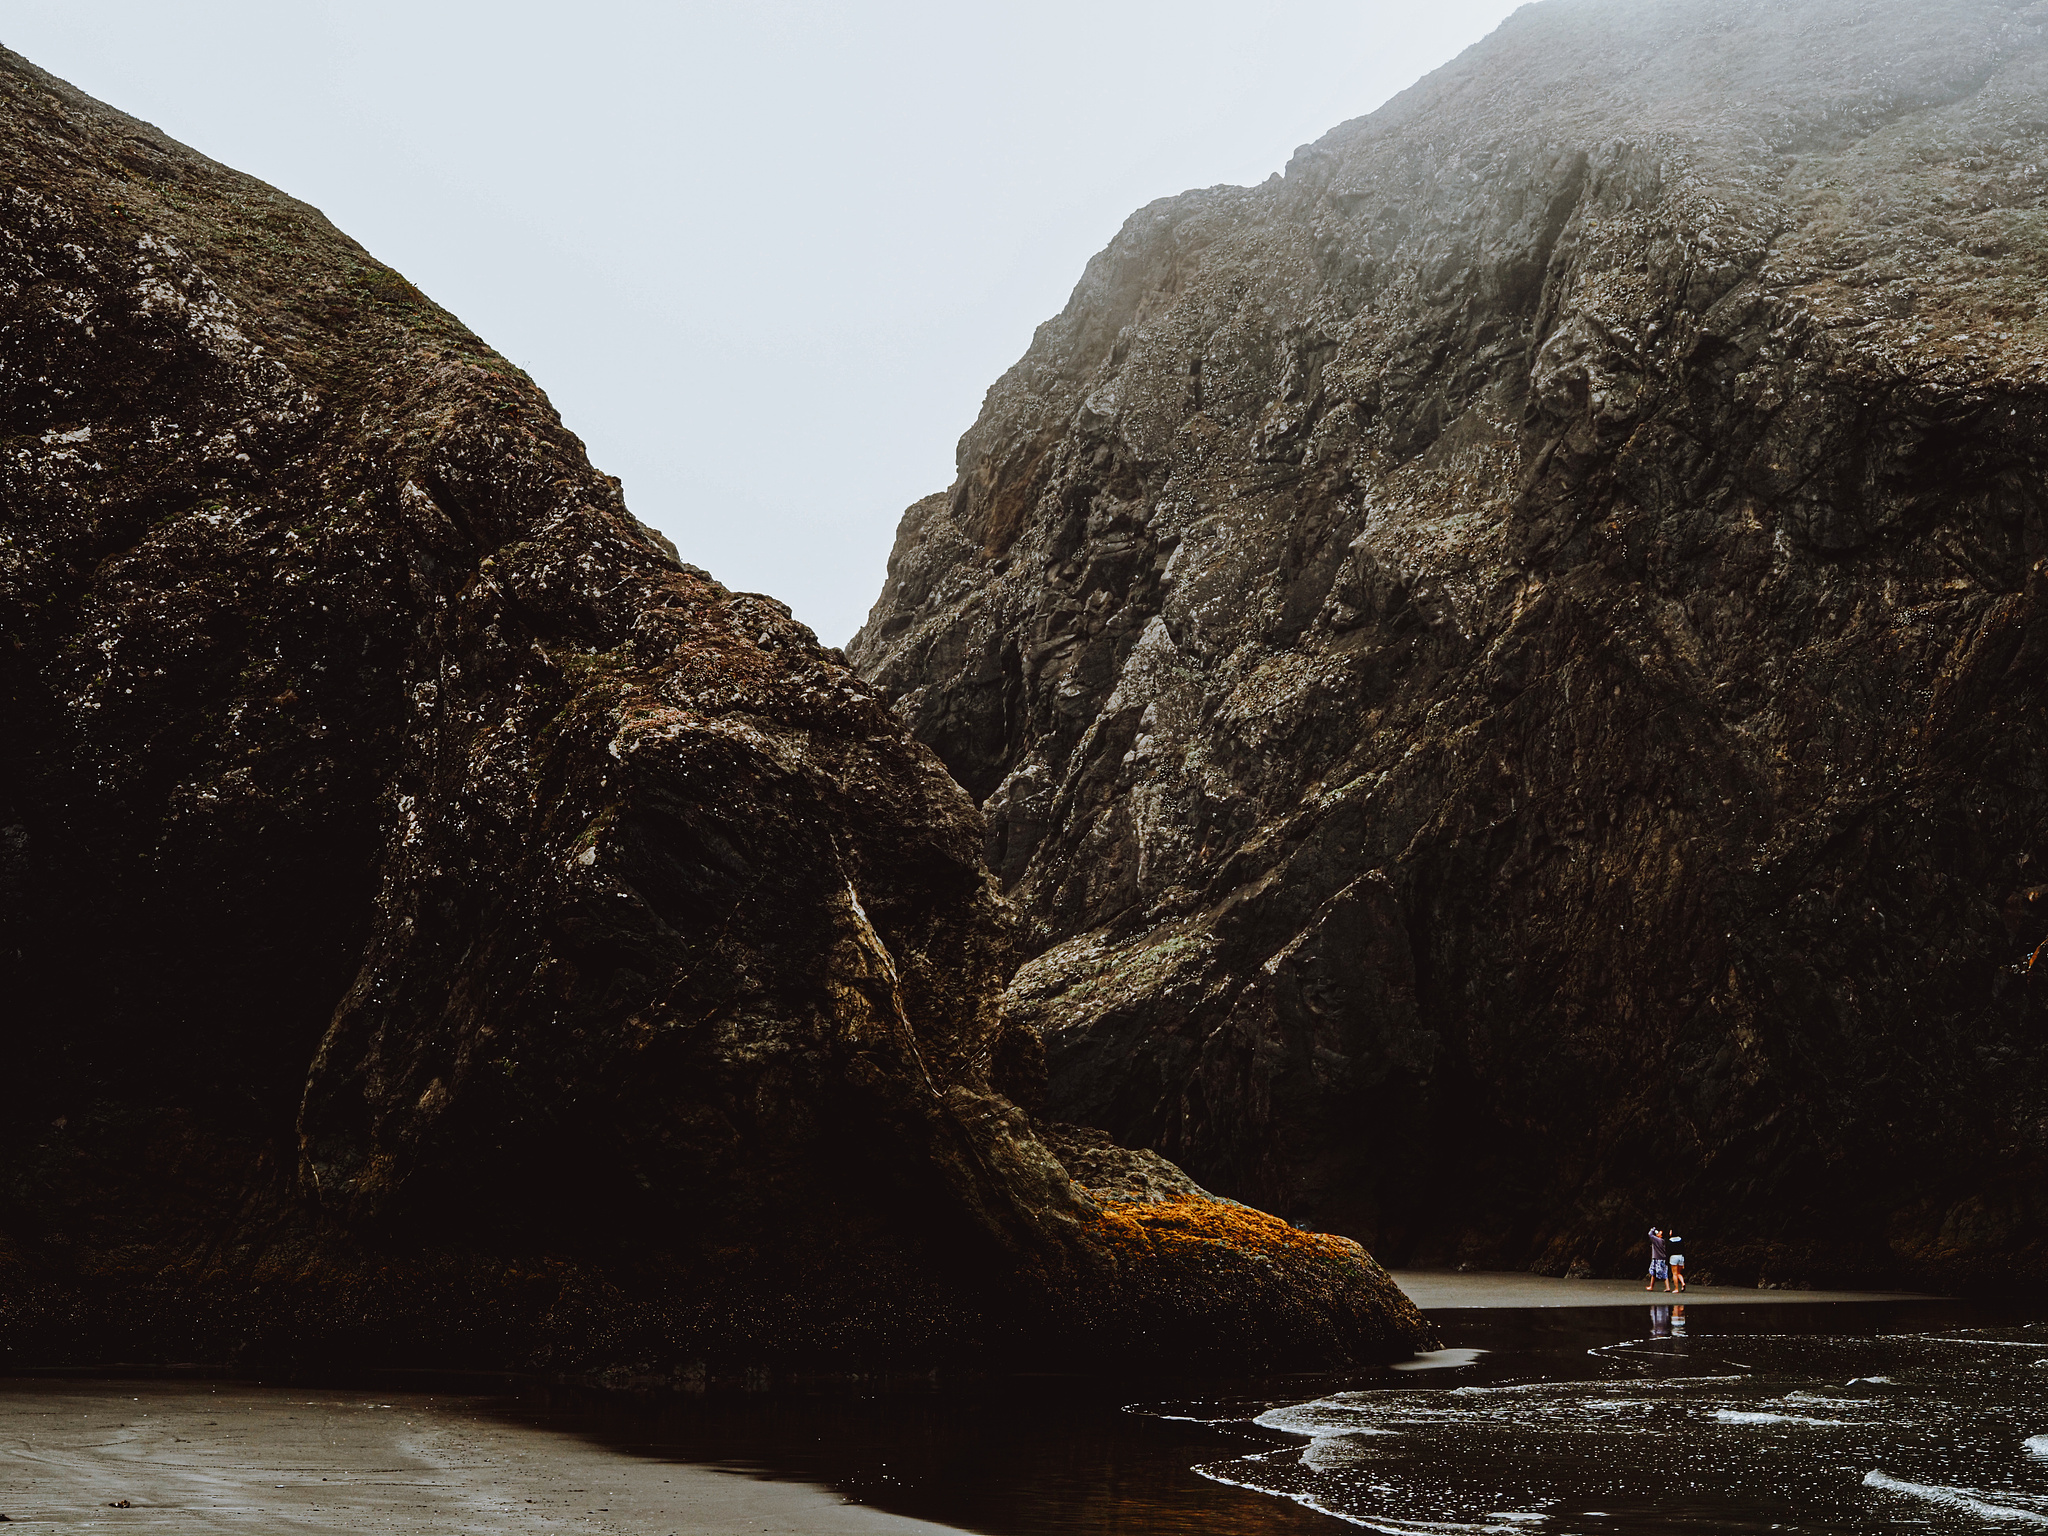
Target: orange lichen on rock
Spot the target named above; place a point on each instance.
(1190, 1223)
(1234, 1286)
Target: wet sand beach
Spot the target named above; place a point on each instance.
(194, 1457)
(1002, 1457)
(1444, 1290)
(1015, 1457)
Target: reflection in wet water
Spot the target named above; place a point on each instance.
(1680, 1430)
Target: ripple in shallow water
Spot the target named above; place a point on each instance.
(1931, 1432)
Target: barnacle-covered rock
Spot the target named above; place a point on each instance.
(436, 924)
(1503, 665)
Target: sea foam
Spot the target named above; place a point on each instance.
(1440, 1360)
(1955, 1498)
(1745, 1416)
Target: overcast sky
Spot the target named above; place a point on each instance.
(764, 255)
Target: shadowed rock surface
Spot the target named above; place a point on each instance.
(1503, 665)
(439, 927)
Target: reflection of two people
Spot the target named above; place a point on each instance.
(1667, 1322)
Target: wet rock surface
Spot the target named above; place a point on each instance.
(438, 926)
(1112, 1172)
(1503, 665)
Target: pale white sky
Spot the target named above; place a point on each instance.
(765, 255)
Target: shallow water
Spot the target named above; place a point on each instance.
(1731, 1420)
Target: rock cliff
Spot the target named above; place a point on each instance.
(438, 926)
(1503, 665)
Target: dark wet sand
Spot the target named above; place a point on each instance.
(1438, 1290)
(193, 1456)
(1009, 1457)
(197, 1457)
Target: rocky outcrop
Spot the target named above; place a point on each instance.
(437, 925)
(1503, 665)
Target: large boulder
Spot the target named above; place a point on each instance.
(439, 926)
(1503, 664)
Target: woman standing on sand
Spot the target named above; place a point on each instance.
(1675, 1258)
(1660, 1269)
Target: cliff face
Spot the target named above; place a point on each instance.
(1502, 666)
(439, 926)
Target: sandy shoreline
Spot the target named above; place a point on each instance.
(1443, 1290)
(193, 1457)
